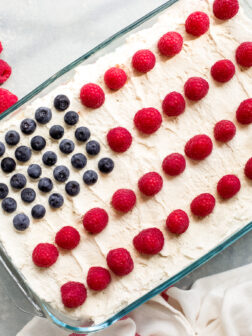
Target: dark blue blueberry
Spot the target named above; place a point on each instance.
(28, 126)
(106, 165)
(61, 102)
(56, 200)
(61, 173)
(56, 132)
(18, 181)
(43, 115)
(79, 161)
(2, 149)
(72, 188)
(38, 143)
(34, 171)
(38, 211)
(8, 165)
(12, 138)
(4, 190)
(90, 177)
(28, 195)
(93, 147)
(82, 134)
(66, 146)
(49, 158)
(71, 118)
(23, 153)
(9, 204)
(45, 184)
(21, 222)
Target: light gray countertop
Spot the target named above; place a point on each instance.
(39, 38)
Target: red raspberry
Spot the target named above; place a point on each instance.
(92, 95)
(73, 294)
(199, 147)
(196, 88)
(150, 183)
(149, 241)
(95, 220)
(5, 71)
(170, 44)
(45, 255)
(123, 200)
(98, 278)
(115, 78)
(119, 261)
(174, 164)
(7, 99)
(143, 60)
(228, 186)
(225, 9)
(223, 70)
(244, 112)
(1, 47)
(203, 205)
(197, 23)
(224, 130)
(148, 120)
(177, 221)
(67, 238)
(173, 104)
(248, 169)
(244, 54)
(119, 139)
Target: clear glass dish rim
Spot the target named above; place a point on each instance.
(38, 304)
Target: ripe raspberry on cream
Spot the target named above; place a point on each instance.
(123, 200)
(244, 112)
(197, 23)
(145, 154)
(148, 120)
(244, 54)
(95, 220)
(225, 9)
(119, 139)
(149, 241)
(5, 71)
(143, 61)
(170, 44)
(115, 78)
(173, 104)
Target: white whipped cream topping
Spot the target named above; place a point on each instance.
(145, 154)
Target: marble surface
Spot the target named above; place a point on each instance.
(39, 38)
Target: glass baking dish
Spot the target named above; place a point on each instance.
(42, 308)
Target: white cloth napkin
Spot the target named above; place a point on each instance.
(218, 305)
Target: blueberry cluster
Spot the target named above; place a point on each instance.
(61, 173)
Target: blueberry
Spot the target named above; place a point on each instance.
(66, 146)
(49, 158)
(21, 222)
(56, 200)
(12, 138)
(23, 153)
(72, 188)
(79, 161)
(82, 134)
(93, 147)
(43, 115)
(56, 132)
(38, 143)
(8, 165)
(38, 211)
(28, 195)
(61, 173)
(28, 126)
(9, 204)
(45, 184)
(18, 181)
(71, 118)
(90, 177)
(61, 102)
(106, 165)
(4, 190)
(2, 149)
(34, 171)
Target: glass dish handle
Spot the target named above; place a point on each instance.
(16, 290)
